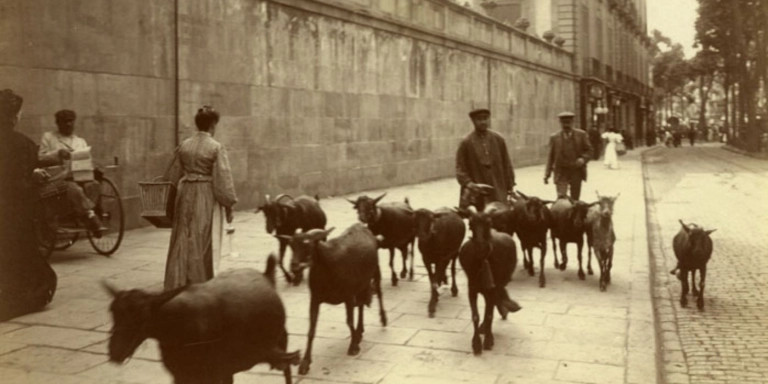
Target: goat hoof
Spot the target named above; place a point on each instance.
(403, 274)
(454, 291)
(562, 266)
(696, 292)
(602, 287)
(581, 275)
(683, 302)
(353, 350)
(394, 281)
(700, 303)
(503, 316)
(530, 272)
(477, 345)
(410, 275)
(589, 271)
(488, 343)
(542, 283)
(304, 367)
(383, 319)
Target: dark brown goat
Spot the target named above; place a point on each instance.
(207, 332)
(693, 249)
(395, 223)
(345, 270)
(285, 215)
(478, 196)
(532, 221)
(569, 224)
(601, 237)
(440, 235)
(489, 259)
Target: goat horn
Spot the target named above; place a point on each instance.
(376, 200)
(269, 200)
(109, 288)
(280, 196)
(353, 202)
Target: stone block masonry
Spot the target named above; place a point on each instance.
(317, 96)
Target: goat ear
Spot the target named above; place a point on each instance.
(328, 232)
(616, 197)
(685, 227)
(523, 195)
(545, 202)
(593, 204)
(376, 200)
(109, 288)
(597, 194)
(283, 237)
(317, 197)
(353, 202)
(259, 209)
(710, 231)
(463, 212)
(164, 297)
(268, 199)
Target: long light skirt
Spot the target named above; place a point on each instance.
(611, 160)
(195, 246)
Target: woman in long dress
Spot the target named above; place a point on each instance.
(201, 171)
(612, 138)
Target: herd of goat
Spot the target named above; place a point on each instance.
(207, 332)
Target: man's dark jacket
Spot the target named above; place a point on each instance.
(557, 160)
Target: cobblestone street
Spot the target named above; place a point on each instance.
(727, 342)
(568, 332)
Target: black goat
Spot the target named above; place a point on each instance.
(489, 259)
(285, 217)
(440, 235)
(395, 222)
(345, 270)
(477, 195)
(532, 221)
(209, 331)
(601, 237)
(569, 224)
(693, 249)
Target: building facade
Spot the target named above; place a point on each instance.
(612, 55)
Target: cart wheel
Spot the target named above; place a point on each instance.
(109, 208)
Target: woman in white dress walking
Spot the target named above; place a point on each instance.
(612, 138)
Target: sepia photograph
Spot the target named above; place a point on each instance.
(384, 191)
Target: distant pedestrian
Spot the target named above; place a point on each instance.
(569, 152)
(482, 158)
(692, 135)
(596, 142)
(612, 139)
(201, 171)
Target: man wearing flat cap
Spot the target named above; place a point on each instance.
(569, 151)
(58, 146)
(482, 158)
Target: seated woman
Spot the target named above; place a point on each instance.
(27, 282)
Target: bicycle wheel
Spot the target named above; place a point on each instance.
(109, 208)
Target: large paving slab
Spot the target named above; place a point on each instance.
(727, 341)
(567, 332)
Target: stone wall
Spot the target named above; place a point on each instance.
(320, 96)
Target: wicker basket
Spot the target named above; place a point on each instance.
(157, 202)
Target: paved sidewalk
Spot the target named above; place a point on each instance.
(568, 332)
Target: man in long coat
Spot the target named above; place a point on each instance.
(569, 152)
(482, 158)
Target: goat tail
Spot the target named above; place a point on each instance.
(269, 272)
(505, 304)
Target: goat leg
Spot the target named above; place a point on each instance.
(700, 299)
(454, 288)
(288, 275)
(694, 291)
(413, 256)
(433, 284)
(684, 287)
(542, 278)
(563, 254)
(354, 348)
(404, 253)
(477, 344)
(579, 245)
(392, 266)
(554, 250)
(490, 303)
(589, 253)
(377, 287)
(314, 312)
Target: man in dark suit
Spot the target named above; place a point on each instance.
(569, 151)
(482, 158)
